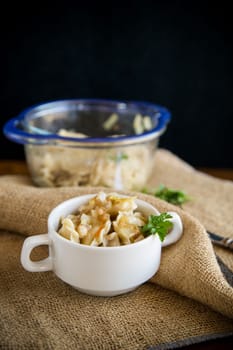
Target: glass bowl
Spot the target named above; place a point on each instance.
(90, 142)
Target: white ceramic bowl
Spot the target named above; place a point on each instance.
(103, 271)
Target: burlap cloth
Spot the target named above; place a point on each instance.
(189, 300)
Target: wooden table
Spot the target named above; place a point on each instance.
(19, 167)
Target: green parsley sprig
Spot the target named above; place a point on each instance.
(158, 224)
(170, 195)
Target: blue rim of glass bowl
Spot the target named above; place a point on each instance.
(12, 131)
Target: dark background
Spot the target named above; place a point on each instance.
(175, 53)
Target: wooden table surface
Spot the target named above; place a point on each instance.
(19, 167)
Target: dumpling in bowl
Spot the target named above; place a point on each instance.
(121, 204)
(68, 229)
(111, 240)
(97, 226)
(127, 226)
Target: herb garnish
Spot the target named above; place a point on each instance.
(119, 157)
(173, 196)
(158, 224)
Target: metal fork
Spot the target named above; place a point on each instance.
(225, 242)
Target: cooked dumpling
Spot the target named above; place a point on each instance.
(128, 226)
(121, 204)
(111, 240)
(101, 233)
(98, 225)
(68, 231)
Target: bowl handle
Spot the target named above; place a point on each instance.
(14, 131)
(176, 232)
(29, 244)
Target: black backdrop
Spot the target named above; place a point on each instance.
(175, 53)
